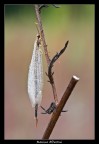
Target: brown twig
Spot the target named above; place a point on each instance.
(45, 48)
(42, 33)
(57, 55)
(74, 80)
(45, 5)
(59, 108)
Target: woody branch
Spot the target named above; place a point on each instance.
(59, 107)
(70, 87)
(45, 48)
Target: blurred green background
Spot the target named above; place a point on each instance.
(69, 22)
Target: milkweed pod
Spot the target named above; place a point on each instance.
(35, 75)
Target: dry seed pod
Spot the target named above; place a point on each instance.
(35, 76)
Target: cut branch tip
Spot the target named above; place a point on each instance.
(76, 78)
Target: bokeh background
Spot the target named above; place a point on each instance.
(69, 22)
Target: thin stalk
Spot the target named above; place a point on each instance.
(59, 108)
(45, 48)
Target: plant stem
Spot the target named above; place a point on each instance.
(59, 108)
(45, 48)
(42, 33)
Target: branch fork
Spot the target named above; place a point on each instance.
(57, 107)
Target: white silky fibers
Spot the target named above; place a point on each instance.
(35, 75)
